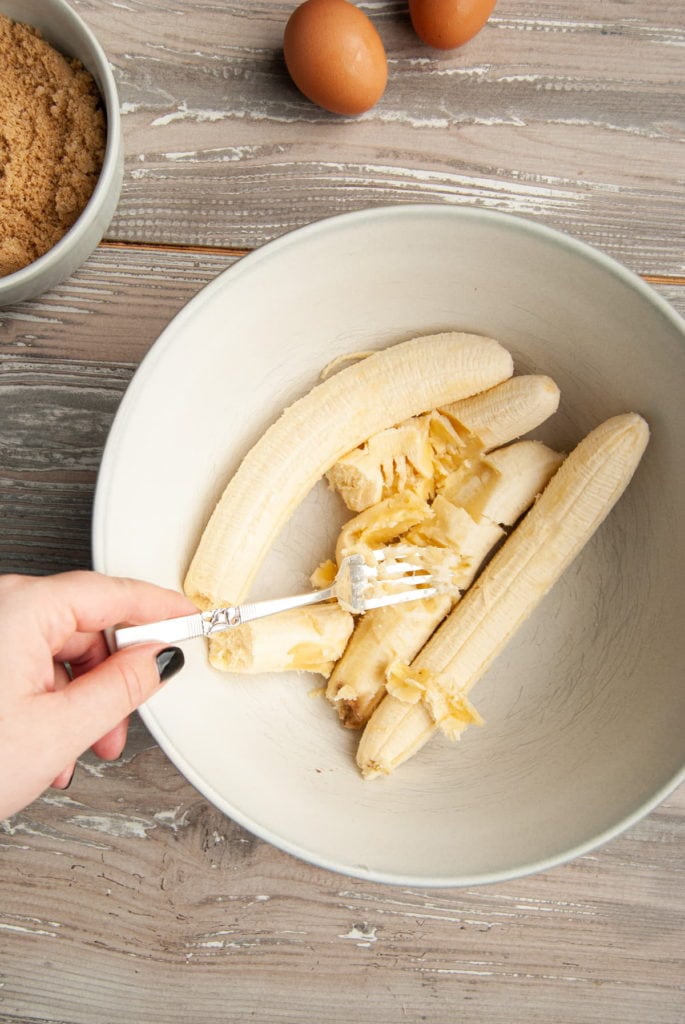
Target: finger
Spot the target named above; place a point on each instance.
(83, 651)
(95, 703)
(63, 780)
(111, 746)
(86, 602)
(98, 601)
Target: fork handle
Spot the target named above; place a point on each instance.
(187, 627)
(170, 631)
(260, 609)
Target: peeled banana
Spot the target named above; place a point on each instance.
(417, 454)
(508, 481)
(432, 692)
(476, 496)
(309, 639)
(314, 432)
(412, 438)
(429, 451)
(506, 411)
(395, 460)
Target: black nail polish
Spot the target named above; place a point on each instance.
(169, 661)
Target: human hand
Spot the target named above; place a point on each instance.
(61, 691)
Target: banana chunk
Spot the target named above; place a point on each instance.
(506, 411)
(381, 637)
(499, 487)
(397, 459)
(308, 639)
(572, 506)
(422, 451)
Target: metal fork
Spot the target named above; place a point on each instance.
(358, 587)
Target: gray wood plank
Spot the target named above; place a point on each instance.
(131, 898)
(568, 113)
(65, 362)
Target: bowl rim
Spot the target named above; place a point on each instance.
(110, 164)
(136, 387)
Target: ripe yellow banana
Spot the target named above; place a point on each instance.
(314, 432)
(417, 454)
(451, 543)
(432, 692)
(381, 637)
(506, 411)
(307, 639)
(507, 482)
(395, 460)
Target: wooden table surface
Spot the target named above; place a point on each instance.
(129, 898)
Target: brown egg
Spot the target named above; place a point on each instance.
(335, 56)
(449, 23)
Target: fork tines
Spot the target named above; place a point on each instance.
(394, 570)
(414, 594)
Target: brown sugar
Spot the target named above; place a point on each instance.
(52, 144)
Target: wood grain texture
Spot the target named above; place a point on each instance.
(65, 362)
(571, 114)
(129, 898)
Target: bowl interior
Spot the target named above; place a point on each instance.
(584, 710)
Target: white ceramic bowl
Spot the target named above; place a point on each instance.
(69, 34)
(584, 710)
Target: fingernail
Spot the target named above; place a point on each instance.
(169, 662)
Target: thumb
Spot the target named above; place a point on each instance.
(99, 699)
